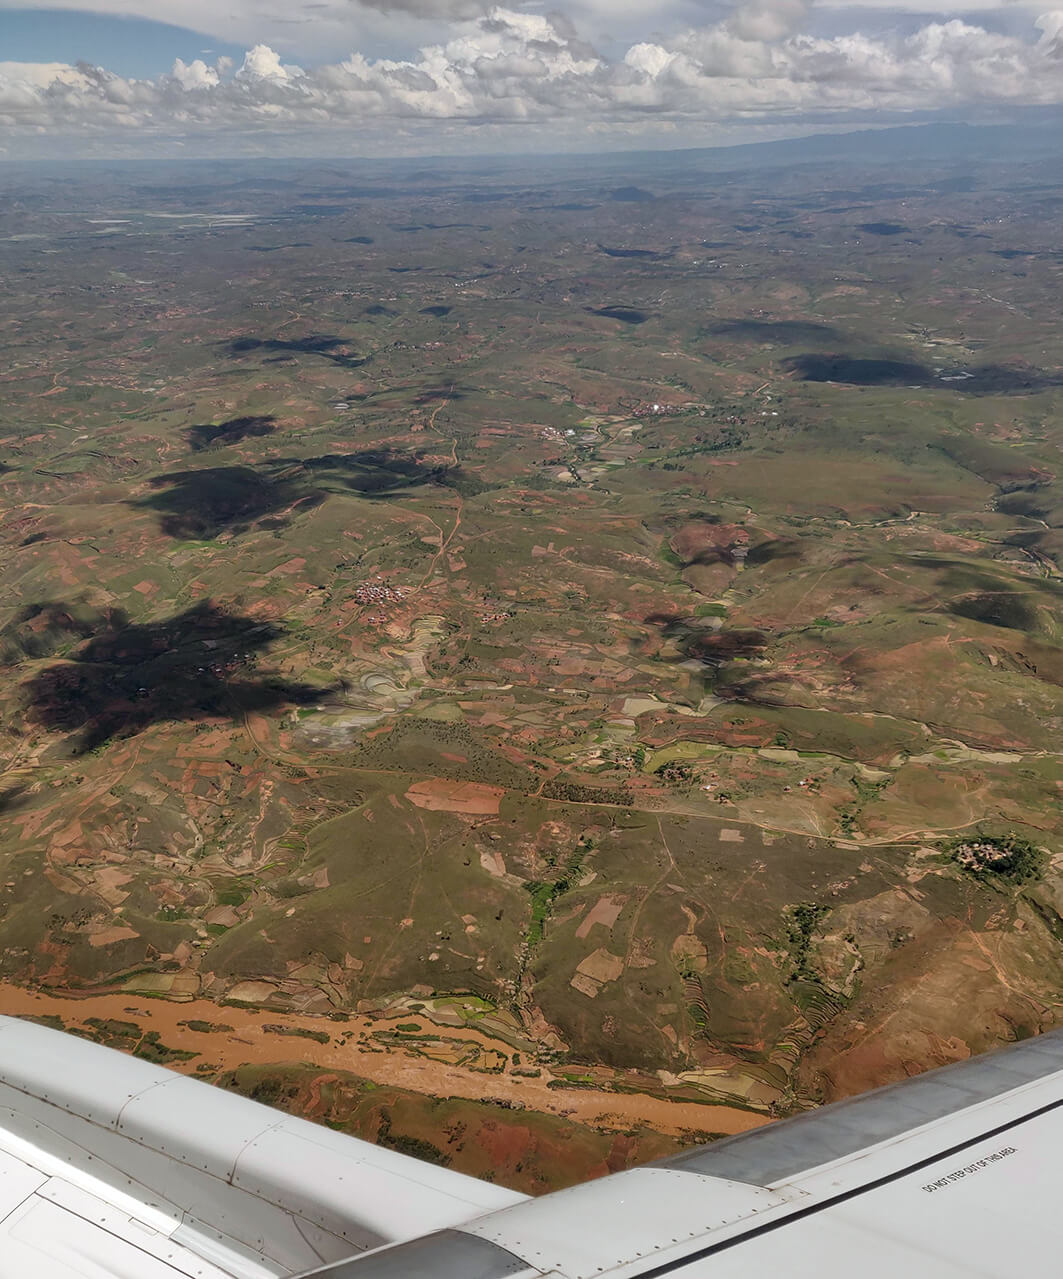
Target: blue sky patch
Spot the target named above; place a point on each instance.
(134, 47)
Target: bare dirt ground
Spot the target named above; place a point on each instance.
(472, 798)
(350, 1049)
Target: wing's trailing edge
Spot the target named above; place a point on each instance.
(953, 1173)
(113, 1167)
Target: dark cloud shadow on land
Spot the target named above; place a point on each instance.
(325, 345)
(753, 688)
(198, 505)
(857, 371)
(437, 395)
(981, 379)
(13, 798)
(128, 676)
(230, 432)
(40, 630)
(645, 255)
(625, 314)
(381, 473)
(724, 657)
(1011, 602)
(698, 640)
(996, 608)
(202, 504)
(778, 550)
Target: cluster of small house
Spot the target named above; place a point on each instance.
(379, 591)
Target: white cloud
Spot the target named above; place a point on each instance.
(261, 63)
(650, 59)
(1050, 26)
(508, 67)
(196, 75)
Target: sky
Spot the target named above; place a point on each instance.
(391, 77)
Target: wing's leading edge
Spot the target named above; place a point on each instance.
(164, 1175)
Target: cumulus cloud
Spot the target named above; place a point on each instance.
(261, 63)
(757, 62)
(195, 75)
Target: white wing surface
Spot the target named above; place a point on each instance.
(112, 1167)
(955, 1173)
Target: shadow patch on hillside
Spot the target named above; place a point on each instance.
(325, 345)
(625, 314)
(786, 550)
(198, 505)
(697, 640)
(857, 371)
(996, 608)
(1040, 502)
(13, 798)
(983, 379)
(438, 395)
(230, 432)
(380, 473)
(42, 629)
(994, 599)
(645, 255)
(372, 472)
(129, 676)
(752, 688)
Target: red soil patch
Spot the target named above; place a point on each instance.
(471, 798)
(505, 1145)
(695, 539)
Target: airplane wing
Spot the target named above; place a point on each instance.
(112, 1167)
